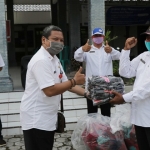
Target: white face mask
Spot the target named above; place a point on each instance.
(55, 47)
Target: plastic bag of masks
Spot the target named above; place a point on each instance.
(100, 87)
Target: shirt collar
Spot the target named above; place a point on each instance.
(148, 53)
(47, 54)
(96, 47)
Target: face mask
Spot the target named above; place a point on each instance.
(147, 44)
(55, 48)
(98, 40)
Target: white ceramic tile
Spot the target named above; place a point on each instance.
(4, 132)
(69, 107)
(81, 112)
(80, 101)
(70, 126)
(4, 125)
(15, 95)
(13, 118)
(70, 113)
(72, 119)
(66, 96)
(15, 100)
(4, 118)
(80, 106)
(13, 131)
(3, 100)
(68, 102)
(14, 124)
(3, 112)
(66, 93)
(3, 107)
(21, 132)
(12, 111)
(74, 95)
(14, 106)
(3, 96)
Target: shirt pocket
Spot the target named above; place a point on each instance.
(107, 58)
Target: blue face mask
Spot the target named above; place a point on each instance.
(147, 44)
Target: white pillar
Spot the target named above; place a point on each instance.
(96, 15)
(5, 81)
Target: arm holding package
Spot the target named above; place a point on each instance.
(115, 54)
(139, 94)
(79, 55)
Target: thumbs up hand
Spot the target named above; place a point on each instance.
(79, 77)
(86, 47)
(107, 48)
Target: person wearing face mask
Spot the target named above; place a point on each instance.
(98, 58)
(45, 82)
(139, 97)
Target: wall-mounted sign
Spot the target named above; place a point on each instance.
(123, 15)
(8, 30)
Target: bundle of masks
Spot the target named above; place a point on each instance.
(100, 88)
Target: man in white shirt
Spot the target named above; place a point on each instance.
(139, 97)
(2, 142)
(98, 58)
(45, 82)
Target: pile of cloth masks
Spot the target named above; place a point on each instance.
(97, 132)
(99, 88)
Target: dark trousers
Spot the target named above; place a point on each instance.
(143, 137)
(1, 137)
(105, 109)
(36, 139)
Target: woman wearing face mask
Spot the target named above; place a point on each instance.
(98, 58)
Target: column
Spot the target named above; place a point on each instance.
(74, 24)
(11, 45)
(62, 18)
(5, 81)
(54, 13)
(96, 15)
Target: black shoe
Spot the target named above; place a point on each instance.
(2, 142)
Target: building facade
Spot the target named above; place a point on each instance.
(77, 18)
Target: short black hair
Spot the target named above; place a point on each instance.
(47, 30)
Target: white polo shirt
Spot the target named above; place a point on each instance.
(139, 67)
(1, 61)
(98, 62)
(37, 110)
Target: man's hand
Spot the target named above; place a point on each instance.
(79, 78)
(118, 99)
(107, 48)
(130, 43)
(86, 47)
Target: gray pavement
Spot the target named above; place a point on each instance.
(61, 142)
